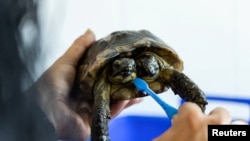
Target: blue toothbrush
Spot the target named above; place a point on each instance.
(141, 85)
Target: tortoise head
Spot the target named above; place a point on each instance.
(122, 70)
(147, 67)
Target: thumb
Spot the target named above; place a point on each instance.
(77, 49)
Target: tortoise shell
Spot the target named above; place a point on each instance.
(122, 44)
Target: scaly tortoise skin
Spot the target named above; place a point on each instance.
(107, 69)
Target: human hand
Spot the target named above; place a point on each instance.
(191, 124)
(54, 88)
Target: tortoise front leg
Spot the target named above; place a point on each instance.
(184, 87)
(101, 111)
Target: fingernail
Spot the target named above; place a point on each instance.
(89, 34)
(239, 122)
(88, 31)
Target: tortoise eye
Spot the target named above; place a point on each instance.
(116, 64)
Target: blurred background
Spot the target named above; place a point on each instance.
(212, 37)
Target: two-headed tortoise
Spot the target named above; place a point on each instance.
(108, 68)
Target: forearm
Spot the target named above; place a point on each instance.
(21, 117)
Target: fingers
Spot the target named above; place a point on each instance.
(189, 108)
(133, 101)
(118, 106)
(219, 116)
(190, 112)
(77, 49)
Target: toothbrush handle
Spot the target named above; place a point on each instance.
(170, 111)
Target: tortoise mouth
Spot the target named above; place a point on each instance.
(129, 77)
(140, 93)
(121, 79)
(151, 78)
